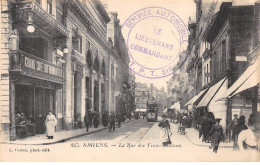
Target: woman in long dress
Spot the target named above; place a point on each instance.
(216, 134)
(165, 131)
(50, 124)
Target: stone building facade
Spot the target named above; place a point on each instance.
(59, 56)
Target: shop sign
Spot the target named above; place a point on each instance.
(238, 102)
(40, 66)
(29, 63)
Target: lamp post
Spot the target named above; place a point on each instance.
(30, 27)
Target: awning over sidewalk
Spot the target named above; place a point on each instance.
(176, 106)
(195, 98)
(248, 79)
(210, 93)
(164, 111)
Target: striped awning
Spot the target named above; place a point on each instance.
(210, 93)
(195, 98)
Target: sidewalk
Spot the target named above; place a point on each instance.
(193, 136)
(60, 136)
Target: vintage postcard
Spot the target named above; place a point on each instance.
(130, 80)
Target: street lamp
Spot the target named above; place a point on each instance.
(30, 27)
(65, 49)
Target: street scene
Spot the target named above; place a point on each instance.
(129, 80)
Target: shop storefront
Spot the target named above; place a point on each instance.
(208, 102)
(243, 96)
(36, 72)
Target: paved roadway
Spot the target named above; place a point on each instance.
(137, 140)
(142, 134)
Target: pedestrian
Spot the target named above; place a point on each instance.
(112, 120)
(216, 134)
(210, 122)
(95, 119)
(189, 122)
(143, 115)
(119, 118)
(233, 124)
(87, 121)
(203, 127)
(50, 124)
(180, 117)
(104, 119)
(249, 139)
(90, 118)
(240, 126)
(184, 120)
(165, 131)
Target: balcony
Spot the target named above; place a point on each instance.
(41, 18)
(77, 56)
(23, 63)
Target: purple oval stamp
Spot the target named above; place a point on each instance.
(154, 37)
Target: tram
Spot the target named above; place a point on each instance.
(151, 111)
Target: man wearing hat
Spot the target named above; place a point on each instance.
(216, 134)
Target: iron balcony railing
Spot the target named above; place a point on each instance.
(31, 65)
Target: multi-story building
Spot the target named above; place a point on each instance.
(32, 64)
(56, 56)
(141, 96)
(221, 56)
(119, 61)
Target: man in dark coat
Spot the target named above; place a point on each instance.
(203, 127)
(112, 120)
(90, 118)
(240, 126)
(233, 124)
(87, 120)
(105, 119)
(119, 118)
(96, 119)
(216, 134)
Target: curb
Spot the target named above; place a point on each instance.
(68, 138)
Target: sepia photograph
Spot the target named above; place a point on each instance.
(129, 81)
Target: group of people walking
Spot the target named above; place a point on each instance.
(246, 136)
(92, 118)
(243, 136)
(211, 130)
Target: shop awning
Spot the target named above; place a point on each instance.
(195, 98)
(164, 111)
(210, 93)
(140, 110)
(176, 106)
(248, 79)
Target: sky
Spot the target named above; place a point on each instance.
(125, 8)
